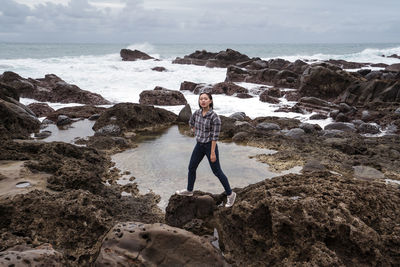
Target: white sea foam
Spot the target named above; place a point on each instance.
(145, 47)
(368, 55)
(123, 81)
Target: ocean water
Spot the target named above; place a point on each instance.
(98, 68)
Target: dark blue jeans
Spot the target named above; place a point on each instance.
(199, 151)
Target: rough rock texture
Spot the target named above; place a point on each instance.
(211, 60)
(227, 88)
(132, 55)
(43, 255)
(40, 109)
(129, 116)
(367, 173)
(266, 97)
(82, 209)
(138, 244)
(16, 120)
(72, 167)
(268, 76)
(342, 126)
(324, 81)
(343, 64)
(162, 97)
(182, 213)
(82, 112)
(315, 219)
(185, 114)
(393, 67)
(51, 89)
(362, 93)
(113, 144)
(186, 85)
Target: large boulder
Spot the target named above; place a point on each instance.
(16, 120)
(129, 116)
(324, 81)
(40, 109)
(185, 114)
(222, 59)
(139, 244)
(77, 112)
(189, 86)
(132, 55)
(269, 76)
(298, 66)
(362, 93)
(22, 255)
(228, 88)
(51, 89)
(341, 126)
(7, 92)
(266, 97)
(393, 67)
(162, 97)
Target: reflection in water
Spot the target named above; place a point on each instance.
(69, 133)
(160, 164)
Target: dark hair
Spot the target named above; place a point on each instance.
(209, 96)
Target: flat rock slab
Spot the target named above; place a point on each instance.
(138, 244)
(15, 178)
(43, 255)
(367, 173)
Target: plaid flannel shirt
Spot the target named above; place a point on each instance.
(207, 128)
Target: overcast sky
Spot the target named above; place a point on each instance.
(200, 21)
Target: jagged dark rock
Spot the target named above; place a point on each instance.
(51, 89)
(133, 55)
(129, 116)
(203, 58)
(162, 97)
(312, 219)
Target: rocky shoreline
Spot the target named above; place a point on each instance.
(340, 211)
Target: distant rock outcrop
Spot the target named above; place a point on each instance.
(51, 89)
(211, 60)
(133, 55)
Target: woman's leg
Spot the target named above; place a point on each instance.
(195, 159)
(216, 168)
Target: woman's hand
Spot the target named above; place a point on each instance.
(213, 158)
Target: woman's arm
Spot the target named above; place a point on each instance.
(216, 128)
(213, 157)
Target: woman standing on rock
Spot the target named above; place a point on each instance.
(207, 125)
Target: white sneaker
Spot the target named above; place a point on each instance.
(230, 200)
(184, 192)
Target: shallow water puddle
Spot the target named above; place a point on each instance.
(23, 184)
(69, 133)
(160, 164)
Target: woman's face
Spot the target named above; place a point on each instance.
(204, 101)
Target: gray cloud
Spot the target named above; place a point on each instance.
(206, 21)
